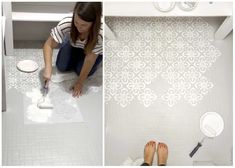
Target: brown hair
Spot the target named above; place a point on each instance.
(90, 12)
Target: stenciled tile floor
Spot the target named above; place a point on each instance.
(30, 139)
(176, 50)
(161, 75)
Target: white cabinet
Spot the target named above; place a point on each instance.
(147, 9)
(33, 20)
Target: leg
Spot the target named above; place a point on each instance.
(149, 151)
(64, 58)
(94, 68)
(162, 151)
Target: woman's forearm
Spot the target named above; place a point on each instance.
(86, 68)
(47, 52)
(48, 47)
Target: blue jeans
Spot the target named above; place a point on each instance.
(70, 58)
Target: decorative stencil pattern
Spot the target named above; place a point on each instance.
(177, 50)
(25, 82)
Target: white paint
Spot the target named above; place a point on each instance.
(33, 113)
(45, 103)
(94, 89)
(65, 107)
(37, 115)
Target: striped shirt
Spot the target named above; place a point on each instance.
(62, 30)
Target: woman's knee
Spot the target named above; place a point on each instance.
(61, 67)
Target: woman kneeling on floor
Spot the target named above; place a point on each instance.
(81, 42)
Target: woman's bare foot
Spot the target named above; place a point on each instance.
(149, 152)
(162, 151)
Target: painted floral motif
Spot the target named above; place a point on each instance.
(177, 50)
(24, 82)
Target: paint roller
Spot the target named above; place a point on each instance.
(211, 125)
(44, 102)
(211, 132)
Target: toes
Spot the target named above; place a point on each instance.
(151, 142)
(163, 145)
(160, 145)
(148, 144)
(154, 144)
(166, 147)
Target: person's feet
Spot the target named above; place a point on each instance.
(162, 151)
(149, 151)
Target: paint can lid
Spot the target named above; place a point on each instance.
(27, 66)
(211, 124)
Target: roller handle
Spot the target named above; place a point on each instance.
(45, 87)
(46, 83)
(195, 149)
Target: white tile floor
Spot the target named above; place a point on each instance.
(70, 143)
(138, 110)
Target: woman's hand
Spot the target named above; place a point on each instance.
(47, 74)
(77, 89)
